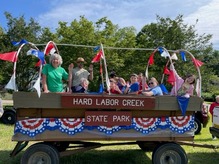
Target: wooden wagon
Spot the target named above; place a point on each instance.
(57, 121)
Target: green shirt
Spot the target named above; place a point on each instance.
(54, 77)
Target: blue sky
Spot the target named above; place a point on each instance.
(125, 13)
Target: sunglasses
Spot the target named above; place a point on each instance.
(150, 83)
(80, 62)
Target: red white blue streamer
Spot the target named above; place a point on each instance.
(32, 127)
(72, 126)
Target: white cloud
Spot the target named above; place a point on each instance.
(208, 20)
(135, 13)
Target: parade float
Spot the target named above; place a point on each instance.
(55, 121)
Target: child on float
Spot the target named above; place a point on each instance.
(114, 89)
(120, 82)
(133, 87)
(142, 83)
(183, 87)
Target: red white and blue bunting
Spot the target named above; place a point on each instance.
(72, 126)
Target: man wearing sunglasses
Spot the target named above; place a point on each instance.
(77, 73)
(154, 88)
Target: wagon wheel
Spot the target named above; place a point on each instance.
(40, 154)
(197, 126)
(147, 145)
(59, 145)
(9, 117)
(169, 153)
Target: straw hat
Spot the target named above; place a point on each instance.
(80, 59)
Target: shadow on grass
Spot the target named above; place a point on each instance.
(90, 157)
(205, 158)
(108, 157)
(114, 157)
(6, 159)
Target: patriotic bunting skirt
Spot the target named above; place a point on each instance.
(72, 126)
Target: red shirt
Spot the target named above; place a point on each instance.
(214, 104)
(114, 91)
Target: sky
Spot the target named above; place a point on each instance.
(124, 13)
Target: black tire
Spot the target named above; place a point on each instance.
(9, 117)
(147, 146)
(197, 126)
(59, 145)
(40, 153)
(169, 153)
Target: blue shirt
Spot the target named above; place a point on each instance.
(156, 91)
(134, 87)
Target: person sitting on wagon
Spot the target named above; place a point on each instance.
(53, 75)
(154, 88)
(77, 73)
(142, 83)
(120, 82)
(133, 87)
(83, 87)
(183, 87)
(114, 89)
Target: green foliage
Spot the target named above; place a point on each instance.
(176, 35)
(171, 34)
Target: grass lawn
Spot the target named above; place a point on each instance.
(128, 154)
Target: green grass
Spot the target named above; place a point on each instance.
(5, 96)
(128, 154)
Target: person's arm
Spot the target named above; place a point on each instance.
(178, 83)
(70, 70)
(133, 93)
(134, 89)
(211, 108)
(91, 72)
(127, 88)
(144, 84)
(45, 87)
(150, 93)
(118, 90)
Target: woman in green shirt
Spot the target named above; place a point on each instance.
(53, 75)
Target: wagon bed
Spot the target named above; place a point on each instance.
(61, 119)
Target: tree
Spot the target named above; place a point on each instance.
(18, 29)
(84, 32)
(176, 35)
(83, 35)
